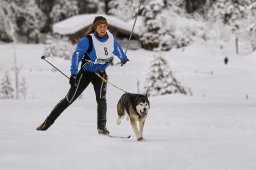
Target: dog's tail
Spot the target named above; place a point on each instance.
(118, 121)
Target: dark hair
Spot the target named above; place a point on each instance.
(97, 20)
(90, 30)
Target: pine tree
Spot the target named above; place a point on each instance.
(6, 91)
(229, 11)
(194, 5)
(157, 33)
(252, 25)
(151, 37)
(87, 6)
(8, 26)
(160, 80)
(121, 9)
(64, 9)
(34, 21)
(3, 24)
(25, 15)
(46, 7)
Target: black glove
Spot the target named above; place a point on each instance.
(123, 62)
(72, 80)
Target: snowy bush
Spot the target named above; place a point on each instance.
(160, 80)
(6, 87)
(22, 91)
(182, 39)
(58, 47)
(10, 89)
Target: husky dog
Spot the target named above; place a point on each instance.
(136, 107)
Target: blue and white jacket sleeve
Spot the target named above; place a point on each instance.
(118, 51)
(78, 54)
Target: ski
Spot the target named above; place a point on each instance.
(121, 137)
(116, 136)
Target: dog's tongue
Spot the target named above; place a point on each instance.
(143, 114)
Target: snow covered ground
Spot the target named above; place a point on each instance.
(215, 129)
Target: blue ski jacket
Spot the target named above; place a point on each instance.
(82, 48)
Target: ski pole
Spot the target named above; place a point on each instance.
(128, 43)
(43, 58)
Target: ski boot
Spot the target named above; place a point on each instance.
(103, 131)
(45, 125)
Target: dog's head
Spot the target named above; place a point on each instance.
(142, 105)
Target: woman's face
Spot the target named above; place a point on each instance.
(101, 29)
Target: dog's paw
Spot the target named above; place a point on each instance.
(140, 139)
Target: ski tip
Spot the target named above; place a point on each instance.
(43, 57)
(129, 136)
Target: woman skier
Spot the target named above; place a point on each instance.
(94, 52)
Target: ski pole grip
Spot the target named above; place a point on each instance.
(43, 57)
(125, 62)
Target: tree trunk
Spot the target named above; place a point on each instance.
(106, 6)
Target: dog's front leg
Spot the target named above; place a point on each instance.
(136, 131)
(141, 126)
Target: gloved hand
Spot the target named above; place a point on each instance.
(124, 61)
(72, 80)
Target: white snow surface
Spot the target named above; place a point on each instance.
(76, 23)
(215, 129)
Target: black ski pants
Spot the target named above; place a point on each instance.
(83, 79)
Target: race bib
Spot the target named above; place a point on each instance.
(103, 50)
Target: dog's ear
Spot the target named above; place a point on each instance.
(145, 94)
